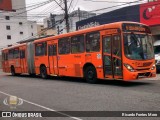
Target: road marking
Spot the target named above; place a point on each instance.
(49, 109)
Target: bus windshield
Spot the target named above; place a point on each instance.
(138, 46)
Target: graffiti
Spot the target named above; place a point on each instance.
(88, 25)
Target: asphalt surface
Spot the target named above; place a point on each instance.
(73, 94)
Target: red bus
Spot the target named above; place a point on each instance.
(119, 51)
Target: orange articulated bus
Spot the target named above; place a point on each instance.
(121, 51)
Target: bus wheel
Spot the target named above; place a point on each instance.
(43, 72)
(13, 71)
(91, 75)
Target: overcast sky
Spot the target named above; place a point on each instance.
(88, 5)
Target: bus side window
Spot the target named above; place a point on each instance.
(93, 42)
(10, 54)
(52, 50)
(64, 46)
(16, 53)
(6, 56)
(77, 44)
(116, 45)
(22, 54)
(41, 49)
(3, 56)
(107, 44)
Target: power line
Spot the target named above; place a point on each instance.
(115, 6)
(75, 5)
(105, 1)
(33, 5)
(28, 6)
(50, 8)
(59, 5)
(23, 23)
(36, 7)
(60, 21)
(70, 5)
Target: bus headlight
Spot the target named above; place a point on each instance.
(153, 67)
(129, 67)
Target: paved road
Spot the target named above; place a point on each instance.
(72, 94)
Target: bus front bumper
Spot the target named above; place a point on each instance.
(139, 75)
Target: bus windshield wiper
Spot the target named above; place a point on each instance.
(134, 37)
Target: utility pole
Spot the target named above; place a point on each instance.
(79, 14)
(58, 32)
(66, 15)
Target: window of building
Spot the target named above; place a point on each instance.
(41, 49)
(64, 46)
(93, 42)
(31, 26)
(7, 18)
(9, 37)
(20, 23)
(32, 34)
(8, 27)
(21, 33)
(77, 44)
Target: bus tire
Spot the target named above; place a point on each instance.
(13, 73)
(91, 74)
(43, 72)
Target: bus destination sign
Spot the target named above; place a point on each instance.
(135, 28)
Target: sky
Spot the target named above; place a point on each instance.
(88, 5)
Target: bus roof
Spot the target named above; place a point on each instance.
(14, 46)
(96, 28)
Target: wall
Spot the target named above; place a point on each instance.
(130, 13)
(20, 27)
(150, 13)
(6, 5)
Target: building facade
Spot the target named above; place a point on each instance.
(58, 24)
(13, 22)
(44, 31)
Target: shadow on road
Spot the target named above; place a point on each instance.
(124, 83)
(100, 82)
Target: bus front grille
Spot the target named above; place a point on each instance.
(147, 74)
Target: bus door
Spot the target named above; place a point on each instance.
(23, 61)
(112, 56)
(53, 60)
